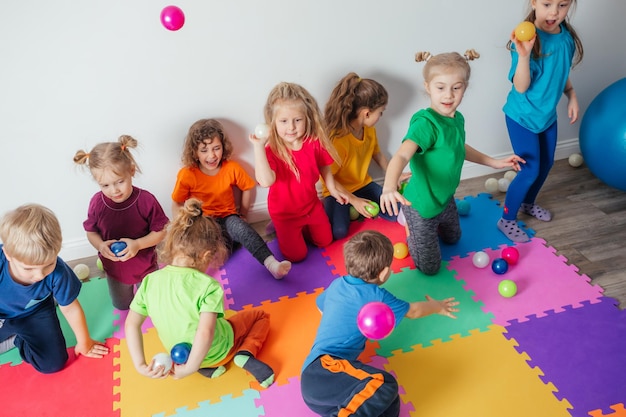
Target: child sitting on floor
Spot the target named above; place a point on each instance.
(187, 306)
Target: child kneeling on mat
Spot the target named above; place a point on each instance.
(333, 381)
(32, 278)
(187, 306)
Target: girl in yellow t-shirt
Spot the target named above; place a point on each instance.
(354, 107)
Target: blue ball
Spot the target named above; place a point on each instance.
(180, 353)
(117, 247)
(463, 207)
(602, 135)
(499, 266)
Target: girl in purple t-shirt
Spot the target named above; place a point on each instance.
(121, 215)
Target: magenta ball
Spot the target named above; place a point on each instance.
(376, 320)
(510, 255)
(172, 18)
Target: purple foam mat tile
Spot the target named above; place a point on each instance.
(479, 228)
(580, 351)
(251, 284)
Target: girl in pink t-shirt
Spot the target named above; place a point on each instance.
(298, 152)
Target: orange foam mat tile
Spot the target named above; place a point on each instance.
(293, 325)
(477, 375)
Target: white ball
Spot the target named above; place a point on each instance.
(164, 360)
(491, 185)
(82, 271)
(575, 160)
(510, 175)
(503, 184)
(480, 259)
(262, 131)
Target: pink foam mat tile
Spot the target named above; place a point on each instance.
(544, 282)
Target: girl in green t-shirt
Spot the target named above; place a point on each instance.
(435, 148)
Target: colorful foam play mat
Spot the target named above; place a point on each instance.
(554, 347)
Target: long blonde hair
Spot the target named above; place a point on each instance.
(281, 94)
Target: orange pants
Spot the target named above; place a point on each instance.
(250, 328)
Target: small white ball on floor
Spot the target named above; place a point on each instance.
(510, 175)
(503, 185)
(81, 271)
(575, 160)
(491, 185)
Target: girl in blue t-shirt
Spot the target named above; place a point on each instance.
(540, 75)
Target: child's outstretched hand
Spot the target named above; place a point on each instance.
(512, 161)
(444, 307)
(91, 349)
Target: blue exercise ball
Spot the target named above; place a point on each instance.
(602, 135)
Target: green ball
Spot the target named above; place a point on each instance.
(99, 264)
(402, 187)
(372, 208)
(353, 213)
(507, 288)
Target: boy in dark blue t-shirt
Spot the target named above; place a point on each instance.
(32, 277)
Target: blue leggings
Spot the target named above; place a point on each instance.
(538, 151)
(39, 338)
(339, 214)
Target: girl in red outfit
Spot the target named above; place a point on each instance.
(298, 152)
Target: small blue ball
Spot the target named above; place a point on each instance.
(180, 353)
(499, 266)
(463, 207)
(117, 247)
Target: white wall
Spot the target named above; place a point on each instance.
(73, 74)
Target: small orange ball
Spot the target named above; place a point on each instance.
(525, 31)
(400, 250)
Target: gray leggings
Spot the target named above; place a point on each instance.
(424, 234)
(237, 230)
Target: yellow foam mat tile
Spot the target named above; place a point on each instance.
(141, 396)
(480, 375)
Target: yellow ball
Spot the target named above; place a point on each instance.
(81, 271)
(400, 250)
(525, 31)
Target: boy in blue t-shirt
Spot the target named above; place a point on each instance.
(333, 380)
(32, 277)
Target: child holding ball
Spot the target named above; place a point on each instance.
(352, 111)
(298, 152)
(187, 306)
(333, 381)
(121, 212)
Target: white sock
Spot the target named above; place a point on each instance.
(278, 269)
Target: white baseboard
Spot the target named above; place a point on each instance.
(81, 248)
